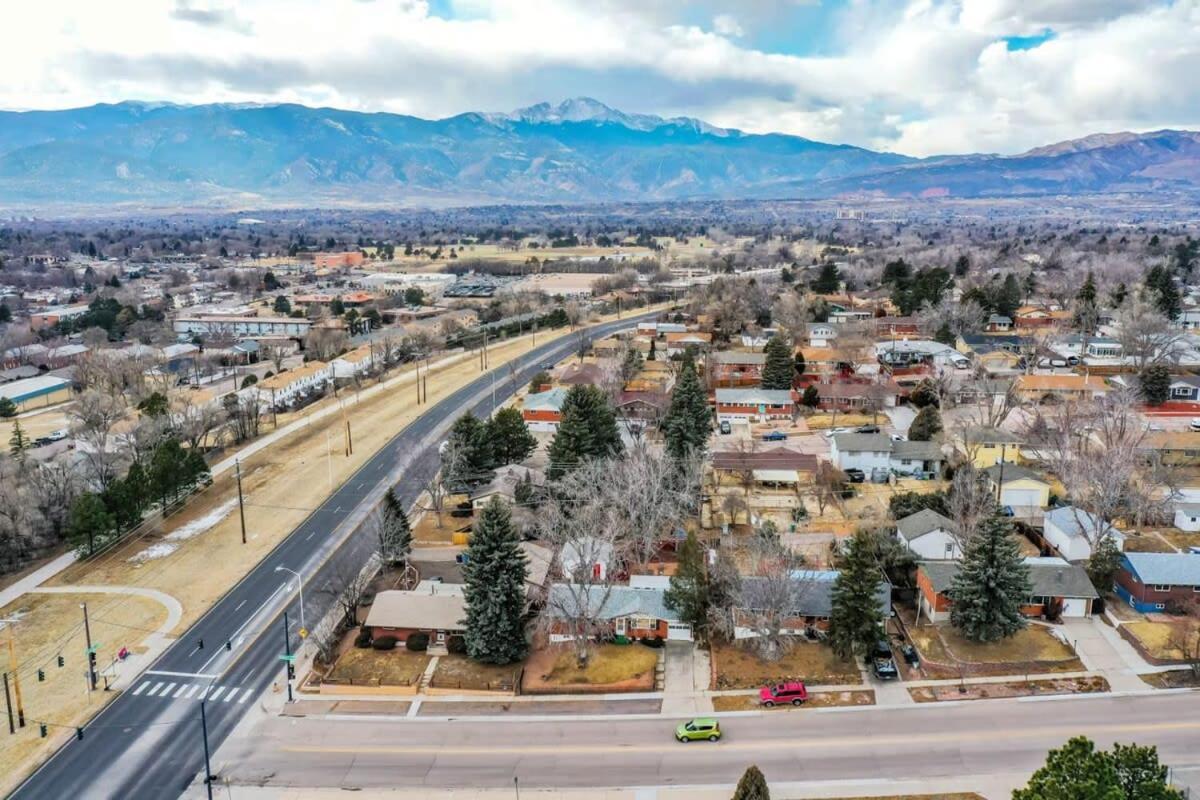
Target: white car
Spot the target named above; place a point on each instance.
(1195, 424)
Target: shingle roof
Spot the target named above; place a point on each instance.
(739, 357)
(1012, 472)
(778, 458)
(550, 400)
(1048, 577)
(1075, 522)
(860, 442)
(1166, 569)
(813, 593)
(980, 435)
(914, 526)
(926, 451)
(608, 602)
(771, 397)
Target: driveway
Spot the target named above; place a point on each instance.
(685, 677)
(1096, 648)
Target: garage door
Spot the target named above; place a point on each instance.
(1074, 607)
(1021, 497)
(679, 632)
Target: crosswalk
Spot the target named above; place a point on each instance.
(183, 690)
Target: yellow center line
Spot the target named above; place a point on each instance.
(854, 742)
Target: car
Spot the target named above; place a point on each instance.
(725, 427)
(42, 441)
(775, 436)
(1007, 511)
(698, 729)
(883, 665)
(899, 437)
(1195, 424)
(794, 692)
(548, 366)
(58, 435)
(832, 432)
(855, 475)
(868, 429)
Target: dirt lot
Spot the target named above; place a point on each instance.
(1175, 679)
(611, 668)
(369, 667)
(749, 702)
(943, 651)
(814, 663)
(985, 691)
(460, 672)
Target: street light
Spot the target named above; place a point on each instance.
(300, 581)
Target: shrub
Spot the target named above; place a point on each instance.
(456, 645)
(417, 642)
(654, 642)
(363, 640)
(384, 643)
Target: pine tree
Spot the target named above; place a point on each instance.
(924, 394)
(856, 621)
(494, 573)
(395, 532)
(7, 408)
(18, 443)
(525, 493)
(779, 368)
(752, 786)
(799, 363)
(632, 365)
(653, 354)
(828, 280)
(509, 437)
(587, 429)
(991, 585)
(926, 425)
(88, 523)
(1155, 383)
(811, 396)
(1085, 304)
(469, 441)
(945, 336)
(688, 593)
(688, 421)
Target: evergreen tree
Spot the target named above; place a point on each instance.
(688, 421)
(494, 572)
(828, 280)
(395, 532)
(799, 364)
(991, 585)
(779, 367)
(18, 443)
(945, 336)
(1085, 304)
(88, 523)
(926, 425)
(587, 429)
(962, 266)
(8, 408)
(1163, 292)
(1117, 296)
(509, 437)
(688, 593)
(653, 354)
(539, 380)
(924, 394)
(1155, 382)
(1008, 298)
(856, 621)
(1078, 771)
(811, 397)
(631, 365)
(469, 442)
(525, 492)
(752, 786)
(1103, 563)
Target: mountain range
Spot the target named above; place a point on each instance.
(161, 154)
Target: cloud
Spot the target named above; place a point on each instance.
(919, 76)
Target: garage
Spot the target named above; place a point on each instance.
(679, 632)
(1020, 498)
(1075, 606)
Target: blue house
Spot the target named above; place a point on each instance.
(1152, 582)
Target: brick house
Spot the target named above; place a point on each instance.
(1156, 581)
(733, 368)
(543, 411)
(812, 604)
(633, 612)
(754, 405)
(856, 395)
(1059, 589)
(437, 610)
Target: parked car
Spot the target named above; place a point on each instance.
(775, 436)
(869, 429)
(794, 692)
(58, 435)
(832, 432)
(725, 427)
(855, 475)
(42, 441)
(883, 665)
(699, 728)
(1195, 424)
(1007, 511)
(899, 437)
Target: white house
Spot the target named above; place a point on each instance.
(929, 535)
(586, 553)
(285, 388)
(821, 334)
(1187, 517)
(756, 405)
(1071, 530)
(872, 451)
(353, 363)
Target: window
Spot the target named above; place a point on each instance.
(1159, 587)
(1182, 391)
(906, 461)
(950, 552)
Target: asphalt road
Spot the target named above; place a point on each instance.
(971, 740)
(148, 742)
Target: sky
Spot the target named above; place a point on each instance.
(921, 77)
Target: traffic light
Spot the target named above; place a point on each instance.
(41, 675)
(228, 644)
(79, 734)
(61, 662)
(42, 729)
(291, 671)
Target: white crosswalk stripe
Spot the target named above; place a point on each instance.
(229, 696)
(163, 690)
(183, 687)
(193, 689)
(216, 694)
(154, 691)
(141, 688)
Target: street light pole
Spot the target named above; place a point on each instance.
(208, 776)
(287, 651)
(300, 582)
(91, 655)
(241, 505)
(12, 667)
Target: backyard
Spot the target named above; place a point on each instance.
(816, 664)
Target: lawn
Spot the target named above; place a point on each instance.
(460, 672)
(749, 702)
(825, 421)
(609, 663)
(815, 664)
(368, 667)
(1175, 679)
(1155, 637)
(943, 649)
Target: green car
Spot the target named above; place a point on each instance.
(699, 728)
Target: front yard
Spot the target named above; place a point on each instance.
(368, 667)
(460, 672)
(944, 652)
(611, 668)
(739, 667)
(1154, 638)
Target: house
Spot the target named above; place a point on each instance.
(857, 395)
(38, 392)
(678, 343)
(897, 326)
(1158, 581)
(911, 352)
(237, 326)
(288, 388)
(504, 484)
(1032, 318)
(1172, 448)
(49, 317)
(763, 484)
(733, 368)
(1184, 389)
(646, 406)
(633, 612)
(353, 258)
(755, 405)
(586, 555)
(998, 323)
(986, 447)
(929, 535)
(1019, 488)
(1056, 388)
(586, 374)
(1072, 530)
(821, 334)
(438, 610)
(1187, 517)
(812, 603)
(870, 452)
(542, 411)
(1059, 589)
(354, 363)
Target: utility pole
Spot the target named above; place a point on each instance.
(241, 505)
(274, 413)
(425, 381)
(329, 457)
(12, 668)
(208, 776)
(349, 440)
(287, 657)
(1000, 482)
(8, 704)
(91, 653)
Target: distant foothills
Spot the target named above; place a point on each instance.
(580, 151)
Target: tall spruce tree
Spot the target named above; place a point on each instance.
(494, 573)
(991, 585)
(469, 441)
(18, 442)
(631, 365)
(779, 367)
(688, 593)
(856, 621)
(688, 421)
(587, 429)
(509, 437)
(395, 532)
(752, 786)
(926, 425)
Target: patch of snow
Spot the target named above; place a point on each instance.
(199, 526)
(159, 550)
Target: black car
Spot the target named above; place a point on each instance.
(855, 475)
(869, 429)
(883, 665)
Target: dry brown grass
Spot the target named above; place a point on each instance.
(952, 796)
(748, 702)
(460, 672)
(945, 646)
(991, 691)
(369, 667)
(609, 663)
(1155, 637)
(1173, 679)
(814, 663)
(823, 421)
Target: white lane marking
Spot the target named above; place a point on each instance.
(238, 607)
(178, 674)
(229, 696)
(192, 690)
(361, 484)
(243, 625)
(183, 687)
(306, 538)
(141, 688)
(217, 693)
(154, 691)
